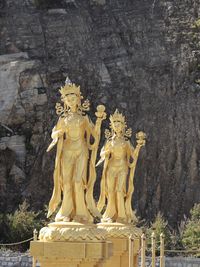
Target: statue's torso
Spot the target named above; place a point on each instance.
(118, 151)
(74, 128)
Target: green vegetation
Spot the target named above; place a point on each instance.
(19, 226)
(185, 238)
(196, 24)
(159, 226)
(191, 234)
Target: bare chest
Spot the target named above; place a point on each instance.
(74, 125)
(118, 148)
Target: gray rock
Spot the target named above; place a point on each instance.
(17, 174)
(57, 11)
(10, 68)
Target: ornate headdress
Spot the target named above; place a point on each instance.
(118, 117)
(71, 88)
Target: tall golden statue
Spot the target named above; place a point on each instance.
(120, 160)
(72, 134)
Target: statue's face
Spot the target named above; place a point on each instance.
(71, 100)
(117, 126)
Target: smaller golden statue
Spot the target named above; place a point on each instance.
(120, 160)
(73, 183)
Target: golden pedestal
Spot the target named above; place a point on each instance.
(71, 245)
(119, 235)
(70, 254)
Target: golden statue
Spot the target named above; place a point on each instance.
(120, 160)
(72, 134)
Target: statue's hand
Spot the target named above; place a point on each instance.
(53, 143)
(141, 142)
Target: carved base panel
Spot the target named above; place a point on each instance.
(72, 231)
(70, 254)
(120, 257)
(119, 235)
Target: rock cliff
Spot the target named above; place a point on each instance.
(140, 56)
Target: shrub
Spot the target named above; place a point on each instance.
(21, 225)
(177, 236)
(191, 234)
(159, 226)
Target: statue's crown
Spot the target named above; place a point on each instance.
(69, 88)
(117, 117)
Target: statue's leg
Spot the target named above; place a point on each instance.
(120, 197)
(79, 175)
(110, 211)
(67, 205)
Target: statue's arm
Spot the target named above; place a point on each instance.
(94, 129)
(90, 130)
(57, 132)
(134, 152)
(90, 127)
(130, 154)
(105, 153)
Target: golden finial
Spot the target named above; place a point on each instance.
(141, 136)
(128, 133)
(100, 113)
(108, 134)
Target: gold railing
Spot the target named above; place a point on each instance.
(142, 251)
(35, 238)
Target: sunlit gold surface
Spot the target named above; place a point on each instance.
(72, 231)
(120, 230)
(72, 135)
(120, 159)
(119, 234)
(73, 240)
(71, 254)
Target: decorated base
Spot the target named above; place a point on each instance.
(70, 254)
(120, 230)
(72, 231)
(71, 244)
(119, 234)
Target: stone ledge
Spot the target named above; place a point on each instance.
(11, 57)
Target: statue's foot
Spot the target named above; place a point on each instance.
(66, 219)
(62, 219)
(80, 219)
(59, 219)
(121, 220)
(106, 220)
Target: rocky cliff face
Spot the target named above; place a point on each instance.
(140, 56)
